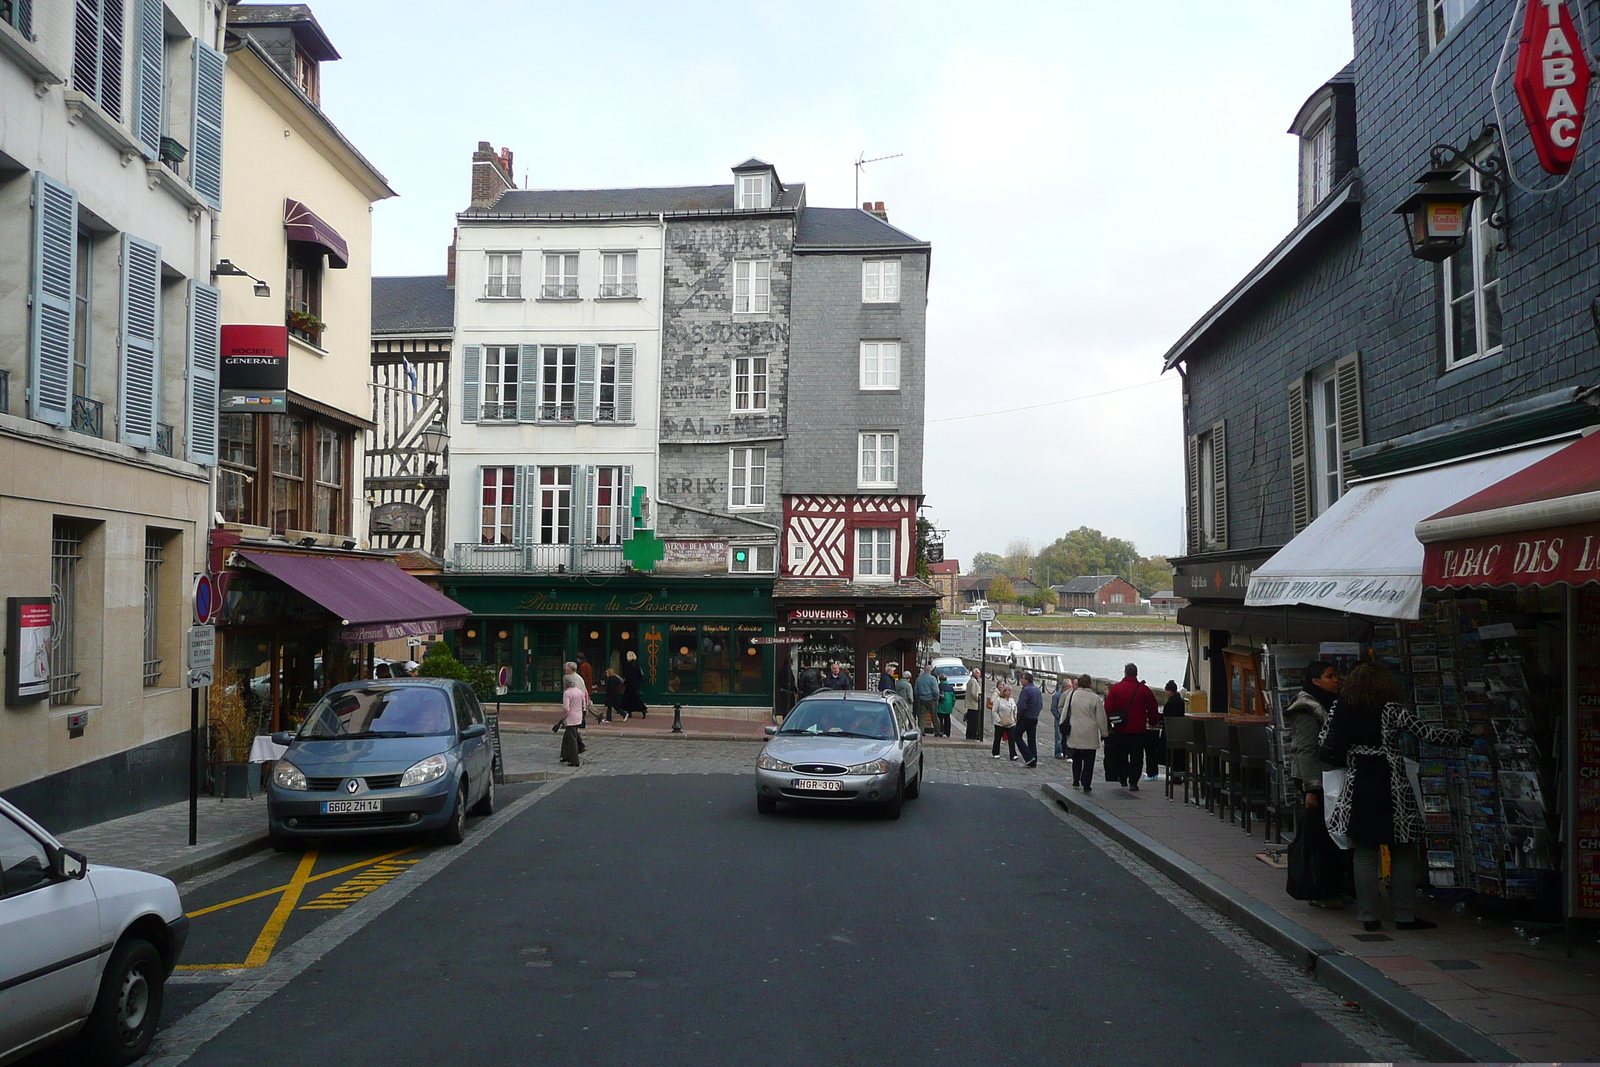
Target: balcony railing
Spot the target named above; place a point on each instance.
(563, 291)
(538, 559)
(88, 416)
(615, 290)
(503, 289)
(163, 439)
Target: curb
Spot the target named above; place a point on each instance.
(1413, 1019)
(210, 857)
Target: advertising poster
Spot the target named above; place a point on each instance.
(28, 632)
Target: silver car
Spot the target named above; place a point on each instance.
(844, 747)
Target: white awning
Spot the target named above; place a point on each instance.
(1362, 554)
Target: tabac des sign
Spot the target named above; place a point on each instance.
(255, 369)
(1552, 82)
(28, 632)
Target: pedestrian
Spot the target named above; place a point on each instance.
(974, 706)
(926, 688)
(810, 680)
(570, 676)
(1084, 714)
(613, 686)
(586, 670)
(382, 672)
(1003, 717)
(1130, 708)
(1030, 702)
(1063, 687)
(1174, 708)
(886, 680)
(1303, 720)
(409, 668)
(902, 688)
(574, 705)
(632, 682)
(836, 678)
(947, 704)
(1377, 806)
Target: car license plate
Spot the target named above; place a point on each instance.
(822, 785)
(350, 807)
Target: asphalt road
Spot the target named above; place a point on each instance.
(657, 919)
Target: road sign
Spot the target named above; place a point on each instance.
(201, 647)
(502, 680)
(201, 676)
(205, 598)
(986, 615)
(781, 639)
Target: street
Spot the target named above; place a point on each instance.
(654, 918)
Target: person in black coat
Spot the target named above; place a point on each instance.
(632, 683)
(1173, 708)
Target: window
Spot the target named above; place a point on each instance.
(1116, 598)
(236, 445)
(306, 75)
(752, 559)
(555, 505)
(1316, 162)
(1208, 487)
(560, 276)
(24, 864)
(97, 54)
(753, 191)
(1324, 442)
(880, 281)
(304, 289)
(619, 274)
(610, 507)
(66, 556)
(288, 472)
(874, 554)
(1443, 15)
(154, 556)
(82, 319)
(498, 524)
(606, 395)
(1471, 288)
(797, 552)
(880, 364)
(747, 478)
(750, 383)
(500, 365)
(558, 384)
(328, 491)
(877, 461)
(503, 279)
(752, 286)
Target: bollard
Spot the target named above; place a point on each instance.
(677, 718)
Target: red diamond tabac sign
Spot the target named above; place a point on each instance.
(1552, 82)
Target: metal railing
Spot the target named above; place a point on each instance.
(88, 416)
(618, 289)
(163, 439)
(559, 292)
(558, 412)
(503, 288)
(538, 559)
(154, 556)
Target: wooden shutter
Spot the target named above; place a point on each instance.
(1299, 458)
(527, 383)
(471, 364)
(627, 503)
(626, 354)
(1219, 481)
(24, 10)
(1347, 393)
(1195, 532)
(585, 495)
(527, 513)
(205, 154)
(588, 362)
(141, 341)
(97, 53)
(205, 356)
(55, 272)
(575, 528)
(147, 88)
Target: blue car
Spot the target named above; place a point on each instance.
(392, 756)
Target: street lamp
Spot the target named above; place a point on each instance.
(434, 438)
(1438, 215)
(226, 269)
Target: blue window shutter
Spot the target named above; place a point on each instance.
(625, 361)
(626, 503)
(205, 155)
(588, 362)
(25, 18)
(147, 88)
(55, 271)
(580, 505)
(141, 341)
(519, 504)
(530, 504)
(590, 499)
(471, 364)
(97, 53)
(528, 383)
(205, 360)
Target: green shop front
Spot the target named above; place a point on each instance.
(700, 641)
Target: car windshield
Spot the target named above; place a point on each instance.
(951, 671)
(840, 718)
(381, 711)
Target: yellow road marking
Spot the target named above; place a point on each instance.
(270, 933)
(326, 874)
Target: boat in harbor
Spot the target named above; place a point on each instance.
(1003, 648)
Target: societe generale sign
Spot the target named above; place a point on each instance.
(1552, 82)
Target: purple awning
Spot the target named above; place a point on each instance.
(374, 600)
(303, 224)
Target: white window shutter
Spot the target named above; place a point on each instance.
(1299, 458)
(588, 362)
(205, 155)
(528, 383)
(147, 90)
(1195, 532)
(471, 370)
(141, 341)
(627, 503)
(1219, 480)
(527, 482)
(585, 497)
(55, 272)
(1347, 393)
(626, 354)
(205, 359)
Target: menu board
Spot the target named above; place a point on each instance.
(1584, 847)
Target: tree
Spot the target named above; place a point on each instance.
(1001, 591)
(439, 663)
(987, 563)
(1019, 554)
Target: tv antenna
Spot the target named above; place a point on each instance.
(862, 161)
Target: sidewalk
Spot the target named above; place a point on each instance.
(158, 840)
(1463, 991)
(658, 724)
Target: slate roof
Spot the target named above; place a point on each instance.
(417, 304)
(308, 31)
(668, 200)
(848, 227)
(1089, 583)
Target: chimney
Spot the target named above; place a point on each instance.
(450, 261)
(876, 209)
(491, 174)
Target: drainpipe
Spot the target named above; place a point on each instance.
(661, 354)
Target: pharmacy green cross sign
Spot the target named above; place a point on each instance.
(643, 550)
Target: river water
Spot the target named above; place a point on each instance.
(1158, 656)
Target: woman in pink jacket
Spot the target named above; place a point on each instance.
(574, 702)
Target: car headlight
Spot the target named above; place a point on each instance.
(424, 771)
(877, 766)
(287, 776)
(767, 763)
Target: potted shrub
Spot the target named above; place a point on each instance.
(305, 322)
(232, 728)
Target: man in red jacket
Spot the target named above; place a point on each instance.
(1132, 702)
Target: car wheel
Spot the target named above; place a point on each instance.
(891, 809)
(284, 843)
(914, 790)
(455, 831)
(485, 804)
(128, 1007)
(766, 805)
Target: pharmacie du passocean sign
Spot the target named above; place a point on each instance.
(703, 603)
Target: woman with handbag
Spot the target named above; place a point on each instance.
(1003, 717)
(1084, 714)
(1377, 806)
(1317, 864)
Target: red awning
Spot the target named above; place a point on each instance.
(1540, 526)
(374, 600)
(303, 224)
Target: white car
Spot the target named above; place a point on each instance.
(1085, 613)
(952, 668)
(84, 951)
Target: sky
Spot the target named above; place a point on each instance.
(1093, 176)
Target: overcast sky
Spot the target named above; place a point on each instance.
(1092, 176)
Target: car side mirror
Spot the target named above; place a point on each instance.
(68, 864)
(770, 730)
(282, 737)
(910, 735)
(477, 729)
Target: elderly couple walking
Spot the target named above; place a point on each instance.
(1016, 719)
(1121, 719)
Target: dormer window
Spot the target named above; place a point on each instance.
(755, 191)
(1325, 128)
(1316, 161)
(306, 77)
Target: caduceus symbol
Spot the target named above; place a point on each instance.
(652, 645)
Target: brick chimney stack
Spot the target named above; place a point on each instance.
(872, 208)
(491, 174)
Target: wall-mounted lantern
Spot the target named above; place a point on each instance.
(1438, 216)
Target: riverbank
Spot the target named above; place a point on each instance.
(1068, 624)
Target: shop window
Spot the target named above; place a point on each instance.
(683, 671)
(749, 661)
(715, 657)
(236, 444)
(328, 505)
(288, 472)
